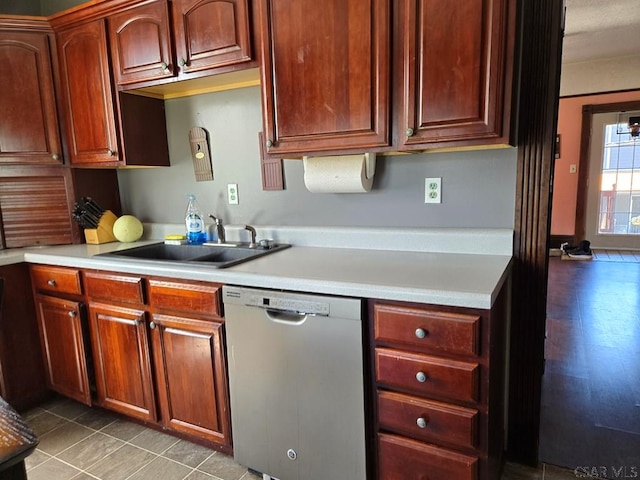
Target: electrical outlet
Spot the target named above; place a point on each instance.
(232, 193)
(433, 190)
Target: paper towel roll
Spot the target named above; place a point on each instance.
(339, 174)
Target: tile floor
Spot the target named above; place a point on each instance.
(82, 443)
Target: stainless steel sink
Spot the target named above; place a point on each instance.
(215, 256)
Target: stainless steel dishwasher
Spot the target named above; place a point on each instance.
(296, 384)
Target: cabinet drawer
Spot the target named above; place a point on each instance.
(189, 297)
(404, 459)
(426, 420)
(114, 287)
(424, 374)
(56, 279)
(429, 329)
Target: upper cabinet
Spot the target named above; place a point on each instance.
(105, 129)
(325, 75)
(455, 83)
(29, 131)
(207, 36)
(328, 73)
(88, 96)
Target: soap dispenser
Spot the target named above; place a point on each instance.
(194, 221)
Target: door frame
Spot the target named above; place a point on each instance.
(588, 111)
(541, 31)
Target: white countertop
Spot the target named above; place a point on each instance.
(456, 279)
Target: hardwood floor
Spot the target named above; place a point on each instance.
(590, 417)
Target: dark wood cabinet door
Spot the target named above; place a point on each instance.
(63, 344)
(122, 361)
(326, 70)
(29, 131)
(454, 83)
(194, 400)
(140, 41)
(22, 372)
(211, 34)
(88, 95)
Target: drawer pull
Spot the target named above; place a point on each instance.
(152, 325)
(421, 333)
(51, 283)
(72, 313)
(421, 422)
(421, 377)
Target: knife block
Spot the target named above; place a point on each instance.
(104, 232)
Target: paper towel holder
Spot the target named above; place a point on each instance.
(370, 164)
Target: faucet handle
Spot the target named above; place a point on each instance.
(253, 243)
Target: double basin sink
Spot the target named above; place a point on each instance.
(212, 255)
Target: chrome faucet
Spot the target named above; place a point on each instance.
(253, 243)
(219, 229)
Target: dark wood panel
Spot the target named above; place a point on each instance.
(456, 72)
(402, 458)
(325, 83)
(114, 287)
(56, 279)
(88, 96)
(140, 41)
(194, 400)
(539, 86)
(427, 329)
(29, 129)
(191, 297)
(35, 211)
(22, 374)
(427, 420)
(63, 344)
(442, 377)
(211, 34)
(122, 360)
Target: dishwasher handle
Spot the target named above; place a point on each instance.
(286, 317)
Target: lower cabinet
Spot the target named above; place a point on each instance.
(122, 360)
(159, 355)
(63, 330)
(194, 399)
(22, 374)
(439, 380)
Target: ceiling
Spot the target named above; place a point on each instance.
(598, 29)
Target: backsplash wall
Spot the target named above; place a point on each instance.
(478, 187)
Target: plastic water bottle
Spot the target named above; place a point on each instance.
(194, 220)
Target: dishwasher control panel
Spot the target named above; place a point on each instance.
(288, 302)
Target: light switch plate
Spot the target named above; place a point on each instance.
(433, 190)
(232, 193)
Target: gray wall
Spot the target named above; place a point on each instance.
(49, 7)
(20, 7)
(478, 188)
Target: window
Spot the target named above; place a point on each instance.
(619, 211)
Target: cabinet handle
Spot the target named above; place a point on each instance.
(409, 132)
(421, 377)
(55, 156)
(111, 153)
(164, 66)
(72, 313)
(421, 422)
(152, 325)
(269, 143)
(182, 62)
(421, 333)
(51, 283)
